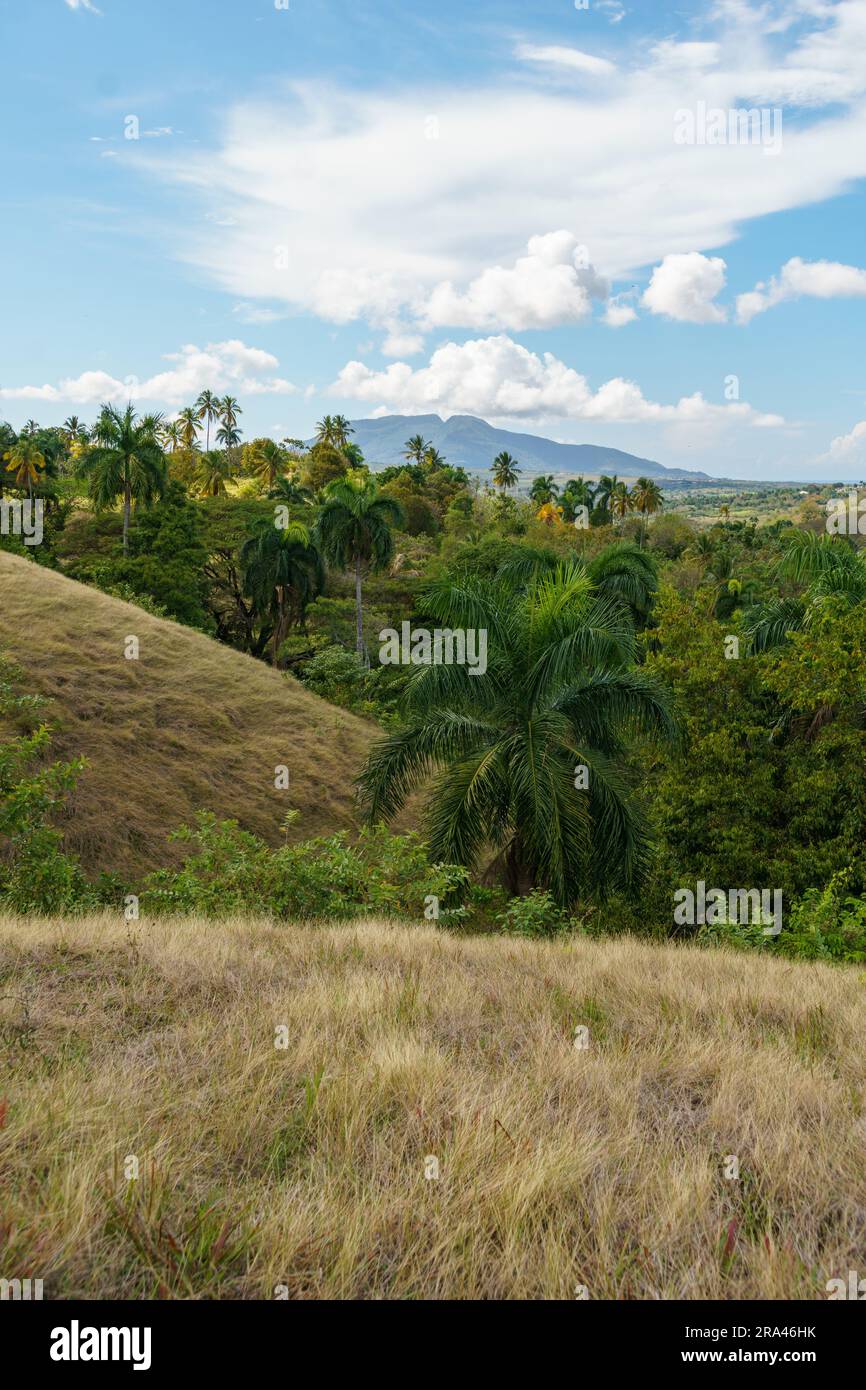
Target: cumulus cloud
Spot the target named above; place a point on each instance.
(287, 167)
(497, 377)
(847, 448)
(816, 279)
(228, 366)
(83, 5)
(553, 283)
(684, 288)
(618, 311)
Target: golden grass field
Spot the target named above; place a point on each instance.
(190, 725)
(301, 1170)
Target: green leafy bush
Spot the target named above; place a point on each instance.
(231, 870)
(536, 915)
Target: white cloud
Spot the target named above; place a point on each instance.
(228, 366)
(684, 287)
(507, 160)
(816, 279)
(560, 55)
(83, 5)
(847, 448)
(553, 283)
(618, 312)
(499, 378)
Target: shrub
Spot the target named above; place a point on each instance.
(535, 915)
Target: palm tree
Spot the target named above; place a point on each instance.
(188, 427)
(646, 498)
(433, 459)
(576, 493)
(229, 437)
(282, 571)
(170, 434)
(621, 572)
(605, 490)
(290, 491)
(72, 428)
(26, 461)
(560, 691)
(620, 501)
(543, 490)
(326, 431)
(214, 470)
(266, 460)
(505, 470)
(342, 430)
(207, 407)
(829, 568)
(415, 449)
(126, 462)
(354, 531)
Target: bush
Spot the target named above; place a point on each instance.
(231, 870)
(536, 915)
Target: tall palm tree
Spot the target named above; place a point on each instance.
(646, 498)
(543, 490)
(229, 436)
(433, 459)
(505, 470)
(576, 493)
(415, 449)
(605, 490)
(620, 501)
(213, 472)
(26, 461)
(207, 407)
(560, 690)
(282, 571)
(125, 462)
(326, 431)
(354, 531)
(188, 426)
(342, 430)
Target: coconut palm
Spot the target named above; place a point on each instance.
(282, 571)
(228, 434)
(326, 431)
(342, 430)
(560, 692)
(620, 503)
(416, 448)
(25, 460)
(188, 427)
(126, 462)
(433, 459)
(208, 409)
(170, 434)
(354, 532)
(646, 498)
(605, 490)
(505, 470)
(576, 493)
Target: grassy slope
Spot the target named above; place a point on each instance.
(558, 1166)
(191, 724)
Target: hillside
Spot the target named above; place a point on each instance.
(472, 443)
(303, 1166)
(190, 725)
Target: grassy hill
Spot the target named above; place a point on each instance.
(304, 1167)
(190, 725)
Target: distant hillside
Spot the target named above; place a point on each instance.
(191, 725)
(472, 443)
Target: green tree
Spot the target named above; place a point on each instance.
(544, 490)
(354, 531)
(126, 462)
(646, 498)
(505, 470)
(188, 419)
(282, 572)
(416, 448)
(208, 409)
(528, 758)
(26, 462)
(213, 472)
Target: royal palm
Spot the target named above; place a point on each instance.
(126, 462)
(354, 532)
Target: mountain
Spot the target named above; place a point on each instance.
(472, 443)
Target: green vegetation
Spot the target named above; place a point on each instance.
(673, 687)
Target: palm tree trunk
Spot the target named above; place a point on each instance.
(359, 624)
(127, 503)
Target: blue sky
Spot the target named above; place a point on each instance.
(530, 213)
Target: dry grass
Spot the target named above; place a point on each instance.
(304, 1167)
(191, 725)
